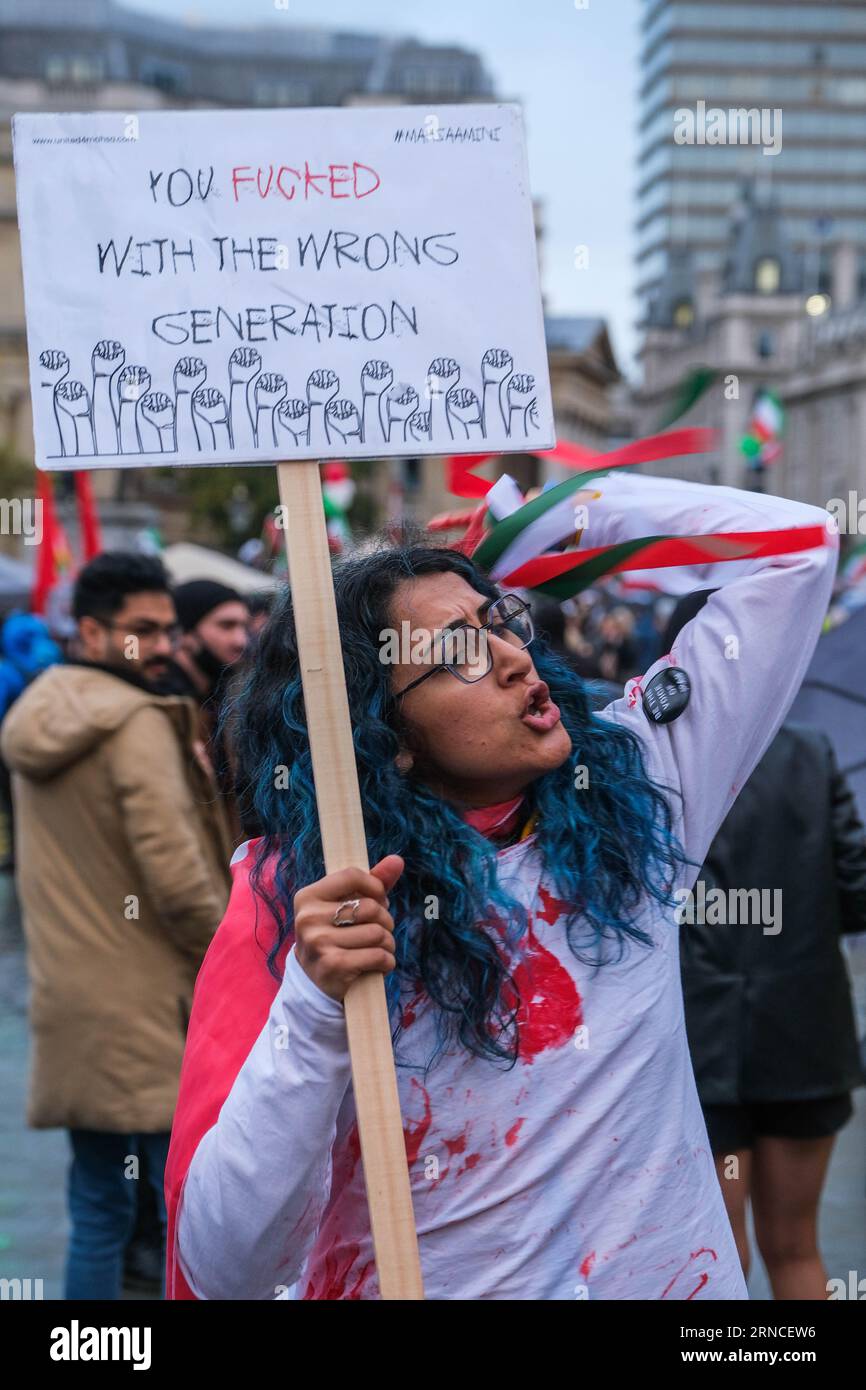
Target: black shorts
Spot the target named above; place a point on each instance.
(733, 1127)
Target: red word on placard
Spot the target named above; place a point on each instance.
(340, 181)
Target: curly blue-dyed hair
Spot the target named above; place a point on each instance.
(603, 848)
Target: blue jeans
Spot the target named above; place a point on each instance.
(102, 1206)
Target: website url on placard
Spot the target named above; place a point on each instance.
(80, 140)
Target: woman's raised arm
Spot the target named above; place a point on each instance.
(745, 653)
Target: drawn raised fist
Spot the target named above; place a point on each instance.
(342, 419)
(133, 383)
(244, 364)
(73, 397)
(322, 386)
(189, 374)
(107, 356)
(442, 374)
(54, 365)
(294, 416)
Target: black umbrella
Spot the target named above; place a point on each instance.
(833, 698)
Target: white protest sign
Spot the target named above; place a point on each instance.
(251, 286)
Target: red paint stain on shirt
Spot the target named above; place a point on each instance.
(357, 1290)
(329, 1280)
(346, 1161)
(471, 1162)
(587, 1264)
(456, 1146)
(409, 1010)
(552, 908)
(550, 1007)
(334, 1271)
(703, 1278)
(414, 1135)
(511, 1136)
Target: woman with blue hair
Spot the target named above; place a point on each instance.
(528, 860)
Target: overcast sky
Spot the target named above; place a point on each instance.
(575, 72)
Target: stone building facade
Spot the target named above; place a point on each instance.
(95, 55)
(756, 326)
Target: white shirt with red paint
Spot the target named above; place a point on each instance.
(585, 1170)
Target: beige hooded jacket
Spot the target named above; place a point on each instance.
(122, 870)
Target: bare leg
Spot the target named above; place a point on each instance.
(735, 1176)
(788, 1175)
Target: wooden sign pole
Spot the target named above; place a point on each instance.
(344, 844)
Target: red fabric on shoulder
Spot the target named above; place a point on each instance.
(233, 995)
(496, 821)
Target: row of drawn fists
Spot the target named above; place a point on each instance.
(122, 413)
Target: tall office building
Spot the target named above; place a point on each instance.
(723, 80)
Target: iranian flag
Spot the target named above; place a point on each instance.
(762, 442)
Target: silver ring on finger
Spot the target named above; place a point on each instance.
(354, 904)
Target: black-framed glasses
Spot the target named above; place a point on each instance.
(464, 650)
(146, 630)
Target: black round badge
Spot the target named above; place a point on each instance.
(667, 695)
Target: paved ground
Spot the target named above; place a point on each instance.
(33, 1224)
(842, 1217)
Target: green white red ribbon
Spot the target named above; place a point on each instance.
(562, 576)
(514, 549)
(463, 482)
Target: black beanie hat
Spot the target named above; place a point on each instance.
(198, 597)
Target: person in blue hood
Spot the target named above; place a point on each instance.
(27, 649)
